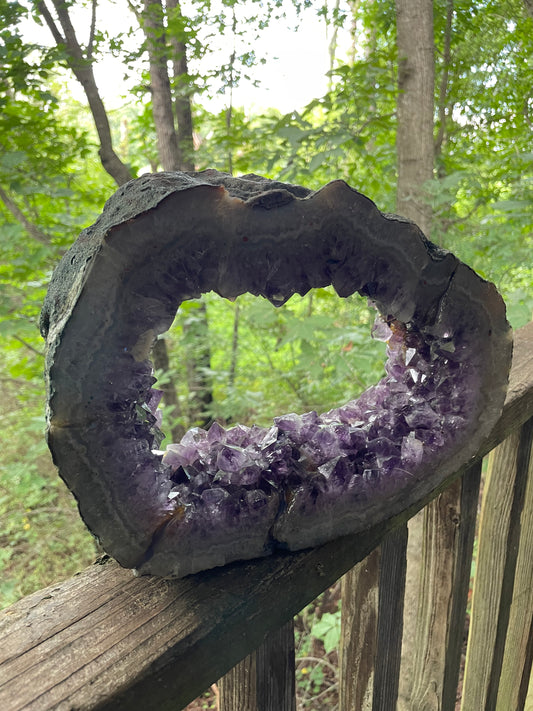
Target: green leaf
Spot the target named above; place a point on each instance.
(328, 629)
(12, 158)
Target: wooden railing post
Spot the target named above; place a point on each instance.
(359, 622)
(449, 528)
(372, 616)
(518, 653)
(393, 566)
(503, 505)
(264, 680)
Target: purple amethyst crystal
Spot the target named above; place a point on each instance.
(223, 495)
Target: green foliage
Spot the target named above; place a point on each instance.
(482, 195)
(348, 133)
(328, 629)
(42, 537)
(314, 352)
(317, 636)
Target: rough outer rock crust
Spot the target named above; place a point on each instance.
(237, 494)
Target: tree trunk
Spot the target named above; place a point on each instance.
(443, 109)
(333, 43)
(415, 156)
(81, 67)
(416, 78)
(170, 396)
(167, 142)
(198, 355)
(182, 92)
(234, 347)
(198, 359)
(354, 6)
(231, 83)
(172, 148)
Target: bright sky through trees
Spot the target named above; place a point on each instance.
(295, 51)
(297, 62)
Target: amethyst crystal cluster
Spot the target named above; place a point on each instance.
(223, 495)
(321, 468)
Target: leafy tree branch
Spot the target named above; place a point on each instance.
(35, 233)
(82, 69)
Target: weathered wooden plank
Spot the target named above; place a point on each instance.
(470, 484)
(410, 606)
(275, 671)
(264, 680)
(503, 501)
(439, 539)
(393, 564)
(359, 621)
(107, 640)
(516, 665)
(522, 467)
(371, 626)
(449, 528)
(238, 689)
(529, 700)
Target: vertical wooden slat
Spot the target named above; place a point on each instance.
(410, 606)
(264, 680)
(359, 614)
(390, 617)
(449, 527)
(517, 658)
(496, 565)
(529, 699)
(275, 671)
(237, 689)
(470, 484)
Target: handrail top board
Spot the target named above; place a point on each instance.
(107, 640)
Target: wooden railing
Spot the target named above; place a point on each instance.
(107, 640)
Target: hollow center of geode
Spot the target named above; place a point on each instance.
(421, 404)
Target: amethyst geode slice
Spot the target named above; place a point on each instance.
(224, 495)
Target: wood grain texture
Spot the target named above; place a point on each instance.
(238, 688)
(449, 528)
(107, 640)
(264, 680)
(359, 620)
(516, 665)
(392, 568)
(440, 533)
(470, 485)
(503, 502)
(410, 606)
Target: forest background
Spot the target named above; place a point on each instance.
(67, 142)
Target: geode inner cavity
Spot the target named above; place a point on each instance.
(240, 493)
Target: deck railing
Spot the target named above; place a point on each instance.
(107, 640)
